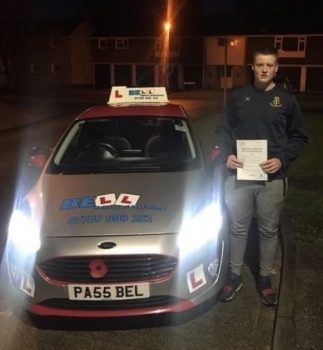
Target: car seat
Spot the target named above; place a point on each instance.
(165, 146)
(119, 143)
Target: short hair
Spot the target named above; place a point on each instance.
(265, 50)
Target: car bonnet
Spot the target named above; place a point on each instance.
(117, 204)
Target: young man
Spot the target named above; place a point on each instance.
(267, 112)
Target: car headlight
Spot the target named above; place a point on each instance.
(24, 231)
(200, 230)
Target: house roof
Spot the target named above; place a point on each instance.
(49, 27)
(210, 26)
(127, 28)
(260, 26)
(150, 27)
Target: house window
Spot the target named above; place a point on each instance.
(301, 43)
(278, 43)
(229, 71)
(54, 68)
(111, 43)
(222, 41)
(290, 43)
(102, 44)
(34, 68)
(53, 43)
(122, 43)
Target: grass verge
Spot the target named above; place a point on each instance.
(305, 203)
(305, 197)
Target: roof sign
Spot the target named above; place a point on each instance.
(122, 94)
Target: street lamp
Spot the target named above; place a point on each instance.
(225, 71)
(167, 51)
(167, 27)
(226, 43)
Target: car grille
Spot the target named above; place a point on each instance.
(110, 305)
(120, 268)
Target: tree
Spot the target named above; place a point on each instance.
(12, 14)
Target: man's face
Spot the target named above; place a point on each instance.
(265, 68)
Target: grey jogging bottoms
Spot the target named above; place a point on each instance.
(243, 199)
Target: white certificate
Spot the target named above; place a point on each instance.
(252, 153)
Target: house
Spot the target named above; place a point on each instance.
(208, 62)
(298, 43)
(152, 57)
(51, 53)
(300, 59)
(74, 52)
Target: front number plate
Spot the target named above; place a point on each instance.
(108, 292)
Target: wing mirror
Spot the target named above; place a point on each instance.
(215, 153)
(38, 158)
(216, 161)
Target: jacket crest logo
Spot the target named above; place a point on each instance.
(276, 102)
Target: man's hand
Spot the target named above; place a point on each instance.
(233, 162)
(271, 165)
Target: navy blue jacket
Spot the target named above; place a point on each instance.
(273, 115)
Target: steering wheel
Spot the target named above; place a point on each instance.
(105, 146)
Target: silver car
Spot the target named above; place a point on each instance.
(124, 219)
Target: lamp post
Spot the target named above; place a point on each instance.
(167, 52)
(225, 71)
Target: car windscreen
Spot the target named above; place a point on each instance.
(126, 144)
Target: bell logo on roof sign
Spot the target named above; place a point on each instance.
(148, 92)
(134, 92)
(144, 92)
(123, 95)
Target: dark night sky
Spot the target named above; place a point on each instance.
(67, 8)
(223, 7)
(273, 8)
(246, 12)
